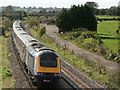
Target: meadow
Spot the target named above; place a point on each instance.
(107, 32)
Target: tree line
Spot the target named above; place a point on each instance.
(112, 11)
(12, 14)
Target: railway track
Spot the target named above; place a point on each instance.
(21, 65)
(77, 82)
(79, 78)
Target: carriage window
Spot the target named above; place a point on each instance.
(48, 62)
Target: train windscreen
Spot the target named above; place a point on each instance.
(48, 62)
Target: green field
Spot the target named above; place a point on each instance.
(104, 16)
(107, 31)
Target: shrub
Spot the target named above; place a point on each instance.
(76, 34)
(84, 34)
(111, 56)
(102, 50)
(90, 34)
(33, 21)
(91, 43)
(42, 31)
(5, 72)
(117, 59)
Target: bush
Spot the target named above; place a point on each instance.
(87, 39)
(84, 34)
(91, 44)
(102, 50)
(5, 25)
(77, 34)
(5, 72)
(117, 59)
(32, 21)
(42, 31)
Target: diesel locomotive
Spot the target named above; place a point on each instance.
(42, 63)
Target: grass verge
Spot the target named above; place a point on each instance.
(6, 80)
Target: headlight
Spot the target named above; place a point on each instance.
(57, 74)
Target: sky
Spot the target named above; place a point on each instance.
(57, 3)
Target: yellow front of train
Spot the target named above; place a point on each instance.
(47, 67)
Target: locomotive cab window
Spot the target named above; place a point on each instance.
(48, 62)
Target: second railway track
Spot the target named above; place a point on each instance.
(77, 83)
(79, 78)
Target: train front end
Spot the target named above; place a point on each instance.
(47, 67)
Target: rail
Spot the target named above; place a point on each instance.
(75, 79)
(81, 79)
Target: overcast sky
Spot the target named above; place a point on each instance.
(57, 3)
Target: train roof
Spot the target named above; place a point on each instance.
(31, 43)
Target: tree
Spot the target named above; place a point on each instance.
(89, 19)
(113, 11)
(9, 8)
(5, 25)
(63, 20)
(33, 21)
(97, 12)
(24, 14)
(92, 5)
(75, 17)
(19, 15)
(2, 30)
(102, 12)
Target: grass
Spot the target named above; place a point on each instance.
(6, 80)
(104, 16)
(107, 32)
(92, 69)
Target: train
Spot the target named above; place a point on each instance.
(42, 63)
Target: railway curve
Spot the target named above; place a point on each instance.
(62, 83)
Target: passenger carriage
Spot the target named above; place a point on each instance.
(42, 63)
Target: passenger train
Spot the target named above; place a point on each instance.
(42, 63)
